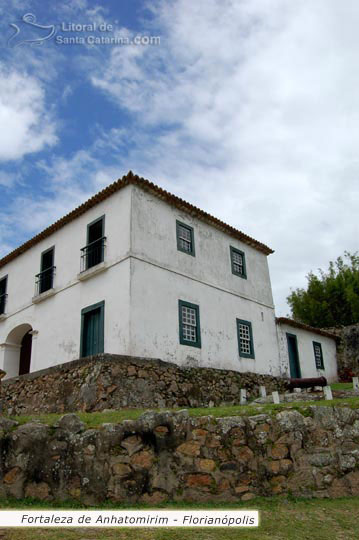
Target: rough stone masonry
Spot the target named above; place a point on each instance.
(112, 382)
(168, 455)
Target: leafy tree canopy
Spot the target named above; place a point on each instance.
(332, 297)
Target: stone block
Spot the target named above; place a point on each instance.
(37, 491)
(199, 480)
(206, 465)
(190, 448)
(142, 460)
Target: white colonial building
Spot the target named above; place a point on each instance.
(140, 272)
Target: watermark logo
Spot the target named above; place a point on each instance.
(29, 31)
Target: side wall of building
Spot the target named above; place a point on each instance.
(161, 275)
(306, 352)
(153, 238)
(155, 323)
(56, 320)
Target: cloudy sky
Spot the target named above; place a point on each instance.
(247, 108)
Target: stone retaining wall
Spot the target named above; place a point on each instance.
(113, 382)
(168, 456)
(348, 352)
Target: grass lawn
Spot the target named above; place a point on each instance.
(96, 419)
(280, 519)
(342, 386)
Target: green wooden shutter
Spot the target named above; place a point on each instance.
(92, 330)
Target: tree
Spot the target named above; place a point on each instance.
(332, 298)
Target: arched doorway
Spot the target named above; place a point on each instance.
(25, 353)
(17, 351)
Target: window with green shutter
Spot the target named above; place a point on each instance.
(245, 339)
(318, 355)
(238, 262)
(189, 324)
(92, 329)
(185, 238)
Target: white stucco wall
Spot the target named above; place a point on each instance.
(161, 275)
(57, 319)
(305, 340)
(144, 278)
(155, 293)
(153, 238)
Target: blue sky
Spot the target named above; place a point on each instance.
(247, 108)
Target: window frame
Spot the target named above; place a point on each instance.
(42, 270)
(239, 252)
(316, 343)
(5, 279)
(86, 255)
(182, 340)
(86, 310)
(101, 218)
(249, 324)
(191, 230)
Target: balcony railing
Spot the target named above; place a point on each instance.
(3, 299)
(93, 254)
(44, 281)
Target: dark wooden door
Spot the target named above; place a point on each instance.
(293, 356)
(92, 333)
(25, 354)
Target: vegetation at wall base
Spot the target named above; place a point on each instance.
(96, 419)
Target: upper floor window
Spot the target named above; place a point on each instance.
(3, 295)
(245, 339)
(318, 355)
(238, 262)
(189, 325)
(94, 252)
(45, 278)
(185, 238)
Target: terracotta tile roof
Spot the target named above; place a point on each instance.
(291, 322)
(131, 178)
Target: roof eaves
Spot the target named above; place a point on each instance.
(296, 324)
(127, 179)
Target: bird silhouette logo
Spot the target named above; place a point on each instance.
(29, 31)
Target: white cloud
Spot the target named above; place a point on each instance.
(250, 110)
(26, 124)
(69, 182)
(8, 179)
(247, 108)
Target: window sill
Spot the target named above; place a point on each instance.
(243, 276)
(40, 297)
(191, 344)
(86, 274)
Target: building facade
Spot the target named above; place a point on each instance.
(140, 272)
(306, 351)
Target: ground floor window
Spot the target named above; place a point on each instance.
(189, 325)
(245, 339)
(92, 329)
(318, 355)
